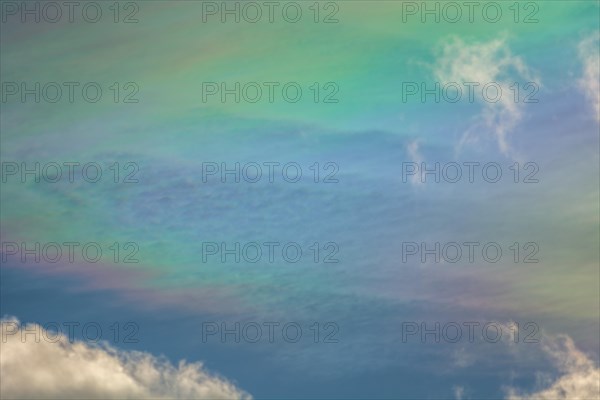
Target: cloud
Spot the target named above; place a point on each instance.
(459, 392)
(415, 156)
(590, 81)
(466, 356)
(483, 63)
(53, 367)
(580, 379)
(461, 358)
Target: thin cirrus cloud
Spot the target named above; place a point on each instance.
(54, 367)
(482, 63)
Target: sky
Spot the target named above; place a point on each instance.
(349, 199)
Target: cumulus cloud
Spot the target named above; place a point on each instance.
(483, 63)
(590, 81)
(54, 367)
(580, 379)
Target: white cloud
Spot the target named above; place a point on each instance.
(580, 379)
(590, 81)
(483, 63)
(61, 369)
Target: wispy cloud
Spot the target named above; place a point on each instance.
(415, 156)
(483, 63)
(459, 392)
(589, 83)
